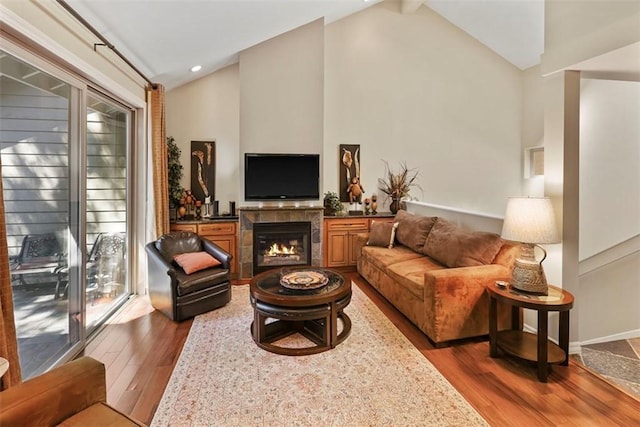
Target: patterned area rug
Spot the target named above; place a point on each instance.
(375, 377)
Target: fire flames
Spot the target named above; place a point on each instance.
(281, 250)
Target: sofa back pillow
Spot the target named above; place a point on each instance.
(413, 230)
(455, 247)
(382, 234)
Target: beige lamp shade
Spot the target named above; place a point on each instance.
(530, 220)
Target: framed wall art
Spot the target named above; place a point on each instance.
(203, 170)
(349, 167)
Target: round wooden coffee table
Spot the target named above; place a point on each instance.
(313, 313)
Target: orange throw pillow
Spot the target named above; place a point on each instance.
(195, 261)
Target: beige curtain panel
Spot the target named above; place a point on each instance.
(8, 340)
(159, 159)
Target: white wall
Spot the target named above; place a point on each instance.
(611, 297)
(609, 164)
(532, 125)
(576, 31)
(208, 109)
(415, 88)
(408, 88)
(282, 93)
(579, 35)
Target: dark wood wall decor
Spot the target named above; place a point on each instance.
(349, 166)
(203, 170)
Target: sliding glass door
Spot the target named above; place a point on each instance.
(64, 173)
(35, 135)
(108, 127)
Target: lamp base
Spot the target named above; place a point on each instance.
(528, 275)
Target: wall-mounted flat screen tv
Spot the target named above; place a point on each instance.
(281, 176)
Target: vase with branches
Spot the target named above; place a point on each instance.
(396, 185)
(174, 171)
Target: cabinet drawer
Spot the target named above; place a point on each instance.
(216, 229)
(184, 227)
(347, 224)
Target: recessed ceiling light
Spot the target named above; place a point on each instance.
(196, 68)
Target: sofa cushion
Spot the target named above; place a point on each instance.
(195, 261)
(455, 247)
(382, 234)
(410, 274)
(413, 230)
(383, 257)
(99, 414)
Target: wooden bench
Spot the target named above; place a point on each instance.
(39, 259)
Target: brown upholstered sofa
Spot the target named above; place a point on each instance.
(74, 394)
(436, 273)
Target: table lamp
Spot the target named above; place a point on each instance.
(531, 221)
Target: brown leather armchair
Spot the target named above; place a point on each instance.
(178, 295)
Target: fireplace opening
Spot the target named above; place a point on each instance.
(279, 244)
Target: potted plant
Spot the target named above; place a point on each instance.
(397, 185)
(174, 171)
(332, 203)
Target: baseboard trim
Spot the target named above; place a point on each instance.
(615, 337)
(575, 347)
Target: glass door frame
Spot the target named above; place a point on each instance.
(131, 115)
(77, 134)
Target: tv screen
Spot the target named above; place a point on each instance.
(281, 176)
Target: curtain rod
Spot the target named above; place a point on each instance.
(105, 42)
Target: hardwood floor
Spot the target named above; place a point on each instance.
(140, 348)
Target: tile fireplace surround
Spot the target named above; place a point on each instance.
(250, 215)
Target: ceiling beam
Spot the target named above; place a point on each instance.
(410, 6)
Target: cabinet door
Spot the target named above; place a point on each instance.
(228, 243)
(223, 234)
(337, 249)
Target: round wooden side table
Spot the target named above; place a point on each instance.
(525, 345)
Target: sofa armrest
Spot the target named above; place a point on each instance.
(360, 241)
(54, 396)
(455, 300)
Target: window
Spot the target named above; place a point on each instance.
(533, 162)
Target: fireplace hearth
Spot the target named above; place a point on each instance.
(277, 244)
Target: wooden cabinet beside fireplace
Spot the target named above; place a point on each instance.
(339, 239)
(222, 233)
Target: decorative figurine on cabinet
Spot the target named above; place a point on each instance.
(355, 190)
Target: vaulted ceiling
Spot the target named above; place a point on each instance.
(165, 38)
